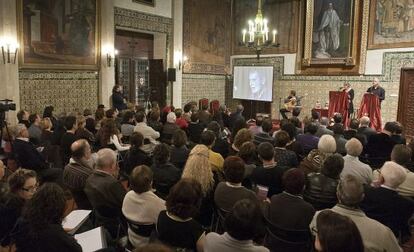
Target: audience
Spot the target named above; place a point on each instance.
(208, 182)
(35, 132)
(384, 204)
(41, 226)
(315, 159)
(296, 214)
(229, 192)
(308, 140)
(242, 226)
(264, 136)
(375, 236)
(282, 155)
(165, 173)
(269, 174)
(338, 130)
(335, 232)
(179, 150)
(176, 226)
(169, 128)
(195, 128)
(216, 161)
(135, 155)
(352, 165)
(322, 128)
(141, 206)
(75, 174)
(105, 192)
(320, 188)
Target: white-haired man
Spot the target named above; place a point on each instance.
(104, 191)
(364, 127)
(353, 166)
(384, 204)
(375, 236)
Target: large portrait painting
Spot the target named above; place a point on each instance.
(391, 24)
(282, 16)
(206, 36)
(329, 34)
(59, 34)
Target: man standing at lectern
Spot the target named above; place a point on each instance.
(376, 89)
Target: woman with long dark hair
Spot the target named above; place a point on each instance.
(108, 136)
(41, 228)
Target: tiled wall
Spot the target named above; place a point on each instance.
(318, 87)
(198, 86)
(65, 91)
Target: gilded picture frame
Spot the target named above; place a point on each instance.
(391, 24)
(59, 34)
(331, 29)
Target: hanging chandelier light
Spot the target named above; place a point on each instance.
(257, 36)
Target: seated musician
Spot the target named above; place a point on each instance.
(290, 103)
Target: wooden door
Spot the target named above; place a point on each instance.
(406, 102)
(157, 82)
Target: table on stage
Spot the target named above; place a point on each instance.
(323, 112)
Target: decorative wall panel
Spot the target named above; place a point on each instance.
(197, 86)
(207, 36)
(66, 91)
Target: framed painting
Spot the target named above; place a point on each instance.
(147, 2)
(59, 34)
(391, 24)
(330, 32)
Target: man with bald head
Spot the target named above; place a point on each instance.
(376, 89)
(80, 166)
(375, 236)
(105, 192)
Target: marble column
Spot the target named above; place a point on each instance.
(178, 48)
(9, 73)
(107, 73)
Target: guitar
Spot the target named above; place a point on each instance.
(292, 103)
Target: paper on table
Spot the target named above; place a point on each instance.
(91, 240)
(74, 220)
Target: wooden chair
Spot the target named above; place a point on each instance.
(285, 240)
(214, 106)
(202, 102)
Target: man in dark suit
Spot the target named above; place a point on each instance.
(364, 127)
(264, 136)
(380, 145)
(105, 192)
(377, 90)
(30, 158)
(296, 214)
(236, 115)
(384, 204)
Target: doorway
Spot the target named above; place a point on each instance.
(405, 102)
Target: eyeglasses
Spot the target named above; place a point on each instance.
(314, 230)
(31, 189)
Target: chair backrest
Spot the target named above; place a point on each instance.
(214, 105)
(202, 102)
(280, 239)
(144, 230)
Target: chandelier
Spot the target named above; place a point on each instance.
(257, 36)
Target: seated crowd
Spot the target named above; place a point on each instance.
(163, 179)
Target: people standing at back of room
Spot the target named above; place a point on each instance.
(118, 100)
(347, 88)
(376, 89)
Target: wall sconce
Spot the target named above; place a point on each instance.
(9, 50)
(179, 59)
(111, 53)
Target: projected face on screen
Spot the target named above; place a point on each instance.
(256, 83)
(253, 83)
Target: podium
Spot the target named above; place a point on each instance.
(371, 107)
(338, 103)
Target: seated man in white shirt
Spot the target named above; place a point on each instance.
(150, 135)
(375, 236)
(141, 206)
(352, 164)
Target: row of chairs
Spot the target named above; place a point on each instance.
(214, 104)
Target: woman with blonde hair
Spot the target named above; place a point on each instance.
(198, 168)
